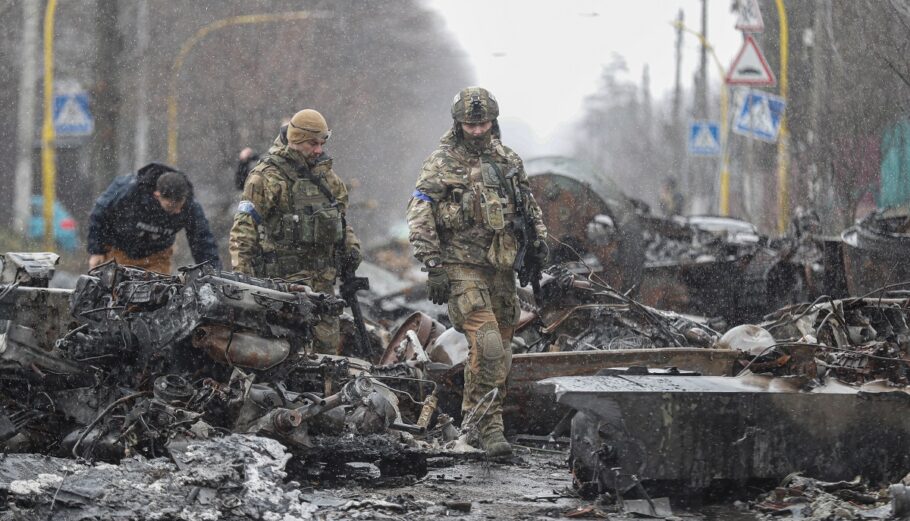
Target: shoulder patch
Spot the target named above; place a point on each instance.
(249, 208)
(422, 196)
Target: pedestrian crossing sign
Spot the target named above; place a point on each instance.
(758, 115)
(704, 138)
(72, 116)
(748, 16)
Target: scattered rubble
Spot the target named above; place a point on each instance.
(856, 340)
(230, 477)
(821, 372)
(799, 497)
(584, 314)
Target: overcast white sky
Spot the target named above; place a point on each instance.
(541, 58)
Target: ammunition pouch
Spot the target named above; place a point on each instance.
(503, 251)
(327, 226)
(451, 215)
(492, 209)
(323, 226)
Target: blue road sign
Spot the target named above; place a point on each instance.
(704, 138)
(72, 116)
(758, 115)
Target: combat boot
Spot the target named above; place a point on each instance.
(496, 445)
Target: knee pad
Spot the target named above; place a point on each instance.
(489, 341)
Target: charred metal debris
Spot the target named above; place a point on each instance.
(856, 340)
(133, 363)
(832, 374)
(678, 263)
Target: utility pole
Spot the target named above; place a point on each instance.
(106, 96)
(678, 134)
(701, 180)
(702, 109)
(646, 100)
(140, 144)
(646, 122)
(816, 180)
(25, 135)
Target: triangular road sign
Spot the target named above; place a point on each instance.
(750, 67)
(748, 17)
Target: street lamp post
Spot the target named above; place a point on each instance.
(188, 45)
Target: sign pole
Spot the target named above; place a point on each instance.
(48, 155)
(724, 156)
(783, 152)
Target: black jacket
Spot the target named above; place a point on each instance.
(128, 217)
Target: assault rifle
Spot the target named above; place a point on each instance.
(528, 267)
(350, 285)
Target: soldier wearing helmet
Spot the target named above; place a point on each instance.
(462, 227)
(291, 222)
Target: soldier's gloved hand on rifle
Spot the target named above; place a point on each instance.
(540, 253)
(437, 282)
(351, 258)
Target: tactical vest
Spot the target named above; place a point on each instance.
(304, 237)
(482, 199)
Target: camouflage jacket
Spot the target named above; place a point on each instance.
(268, 237)
(462, 213)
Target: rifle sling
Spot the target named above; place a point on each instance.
(520, 202)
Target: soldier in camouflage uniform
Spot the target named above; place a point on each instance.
(462, 227)
(290, 223)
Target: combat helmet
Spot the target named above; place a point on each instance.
(474, 105)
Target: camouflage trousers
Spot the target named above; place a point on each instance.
(484, 306)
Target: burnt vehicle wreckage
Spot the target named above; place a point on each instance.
(625, 357)
(678, 263)
(133, 363)
(821, 389)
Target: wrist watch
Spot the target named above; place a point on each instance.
(433, 263)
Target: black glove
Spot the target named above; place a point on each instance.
(541, 253)
(438, 285)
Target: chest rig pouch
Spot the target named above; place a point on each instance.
(313, 217)
(492, 197)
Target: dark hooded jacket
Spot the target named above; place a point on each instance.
(128, 217)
